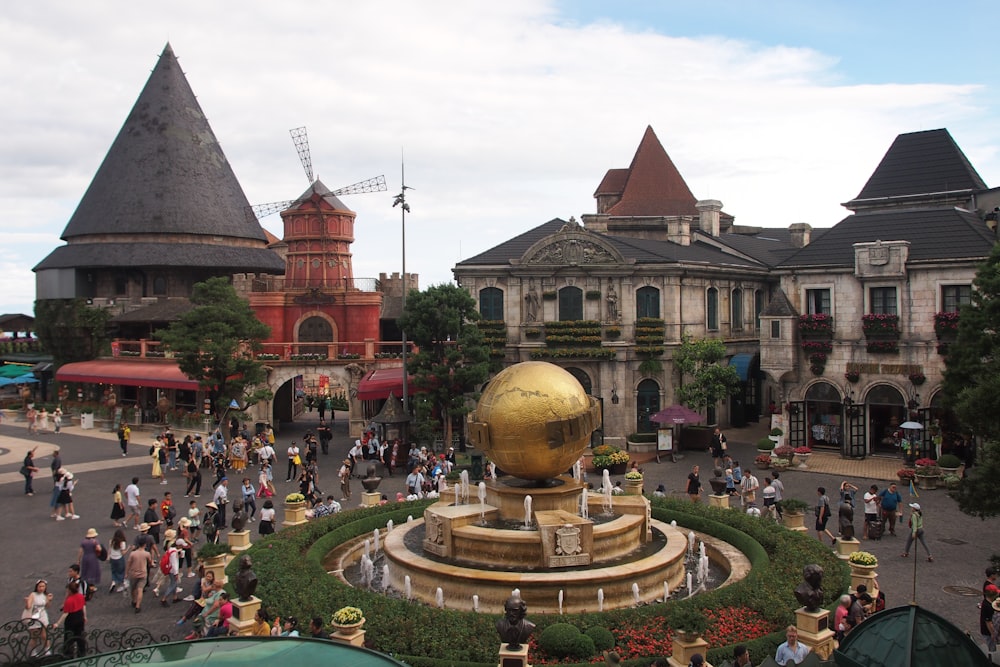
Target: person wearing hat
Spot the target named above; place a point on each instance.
(65, 509)
(89, 559)
(210, 524)
(221, 499)
(173, 548)
(916, 532)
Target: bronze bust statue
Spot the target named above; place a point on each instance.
(810, 592)
(239, 517)
(513, 628)
(246, 580)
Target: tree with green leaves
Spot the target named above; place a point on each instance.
(70, 330)
(452, 360)
(214, 344)
(704, 381)
(972, 387)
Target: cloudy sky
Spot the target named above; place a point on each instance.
(507, 114)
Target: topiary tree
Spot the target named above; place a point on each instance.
(704, 381)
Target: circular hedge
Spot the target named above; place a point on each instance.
(292, 581)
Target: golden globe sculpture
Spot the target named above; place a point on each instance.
(534, 420)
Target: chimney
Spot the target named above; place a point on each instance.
(800, 232)
(708, 218)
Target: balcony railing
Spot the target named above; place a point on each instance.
(283, 284)
(366, 350)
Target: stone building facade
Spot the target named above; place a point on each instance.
(618, 292)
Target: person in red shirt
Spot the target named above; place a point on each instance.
(74, 616)
(221, 627)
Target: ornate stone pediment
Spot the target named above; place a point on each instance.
(571, 246)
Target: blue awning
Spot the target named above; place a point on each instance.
(742, 364)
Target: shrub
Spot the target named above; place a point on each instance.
(949, 461)
(765, 443)
(794, 505)
(562, 640)
(776, 432)
(688, 619)
(602, 637)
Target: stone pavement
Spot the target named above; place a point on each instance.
(38, 547)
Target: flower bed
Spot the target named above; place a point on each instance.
(294, 581)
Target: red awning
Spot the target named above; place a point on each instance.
(379, 383)
(140, 373)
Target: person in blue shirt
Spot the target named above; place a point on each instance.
(890, 500)
(791, 650)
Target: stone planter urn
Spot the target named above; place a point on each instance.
(928, 482)
(349, 628)
(295, 513)
(633, 487)
(794, 520)
(802, 458)
(862, 569)
(616, 469)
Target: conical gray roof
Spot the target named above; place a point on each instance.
(165, 172)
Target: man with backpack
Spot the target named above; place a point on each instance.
(210, 524)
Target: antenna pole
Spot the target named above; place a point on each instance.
(404, 208)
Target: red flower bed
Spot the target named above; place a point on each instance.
(651, 638)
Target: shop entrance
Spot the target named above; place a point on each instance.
(886, 411)
(824, 414)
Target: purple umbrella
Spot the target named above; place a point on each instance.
(677, 414)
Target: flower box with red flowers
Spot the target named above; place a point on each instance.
(816, 325)
(882, 346)
(816, 346)
(946, 324)
(906, 474)
(880, 325)
(803, 450)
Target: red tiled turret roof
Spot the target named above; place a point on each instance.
(652, 185)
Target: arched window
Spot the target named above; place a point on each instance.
(570, 304)
(647, 302)
(712, 309)
(582, 377)
(491, 303)
(647, 403)
(736, 309)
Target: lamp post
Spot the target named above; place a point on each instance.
(404, 208)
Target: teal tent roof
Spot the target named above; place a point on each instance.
(908, 637)
(244, 652)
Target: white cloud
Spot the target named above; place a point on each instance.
(508, 115)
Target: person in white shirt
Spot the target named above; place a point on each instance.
(871, 508)
(748, 487)
(132, 502)
(293, 454)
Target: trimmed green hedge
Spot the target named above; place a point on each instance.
(289, 567)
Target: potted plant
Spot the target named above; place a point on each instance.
(608, 457)
(295, 509)
(765, 446)
(852, 376)
(793, 513)
(951, 481)
(689, 623)
(803, 453)
(918, 378)
(633, 483)
(949, 464)
(762, 461)
(927, 473)
(213, 552)
(862, 562)
(906, 475)
(347, 618)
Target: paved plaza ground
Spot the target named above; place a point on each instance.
(35, 546)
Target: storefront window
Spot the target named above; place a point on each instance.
(824, 414)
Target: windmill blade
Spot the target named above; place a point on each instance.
(301, 141)
(261, 211)
(376, 184)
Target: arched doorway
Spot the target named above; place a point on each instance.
(315, 329)
(824, 414)
(886, 411)
(647, 402)
(583, 378)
